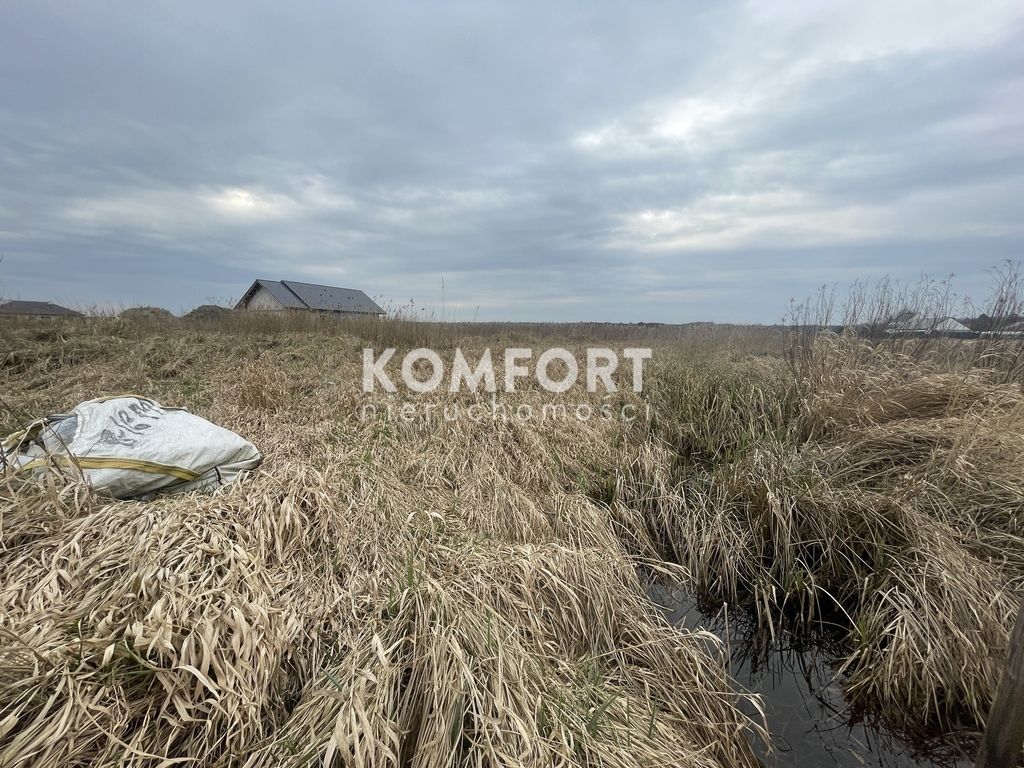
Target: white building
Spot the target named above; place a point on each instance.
(921, 325)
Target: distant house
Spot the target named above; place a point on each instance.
(289, 295)
(1014, 330)
(36, 309)
(921, 325)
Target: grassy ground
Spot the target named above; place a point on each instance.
(379, 593)
(428, 593)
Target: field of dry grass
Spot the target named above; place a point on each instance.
(386, 593)
(421, 593)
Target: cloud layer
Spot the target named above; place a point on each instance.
(625, 162)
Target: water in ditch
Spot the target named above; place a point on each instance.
(810, 722)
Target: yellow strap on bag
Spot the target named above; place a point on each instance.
(101, 462)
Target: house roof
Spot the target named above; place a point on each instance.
(929, 324)
(325, 298)
(36, 308)
(277, 289)
(330, 298)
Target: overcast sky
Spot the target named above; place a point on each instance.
(659, 161)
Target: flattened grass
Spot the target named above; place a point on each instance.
(378, 593)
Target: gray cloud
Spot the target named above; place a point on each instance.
(654, 161)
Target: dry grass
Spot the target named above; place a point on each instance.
(379, 593)
(873, 490)
(386, 592)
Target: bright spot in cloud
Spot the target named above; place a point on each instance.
(237, 201)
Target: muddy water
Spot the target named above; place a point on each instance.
(810, 722)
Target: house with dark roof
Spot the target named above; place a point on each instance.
(290, 295)
(36, 309)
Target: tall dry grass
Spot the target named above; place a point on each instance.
(381, 592)
(876, 491)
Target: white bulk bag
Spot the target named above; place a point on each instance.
(131, 446)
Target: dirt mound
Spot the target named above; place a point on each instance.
(146, 313)
(207, 312)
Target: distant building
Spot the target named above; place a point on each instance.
(1014, 330)
(289, 295)
(36, 309)
(921, 325)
